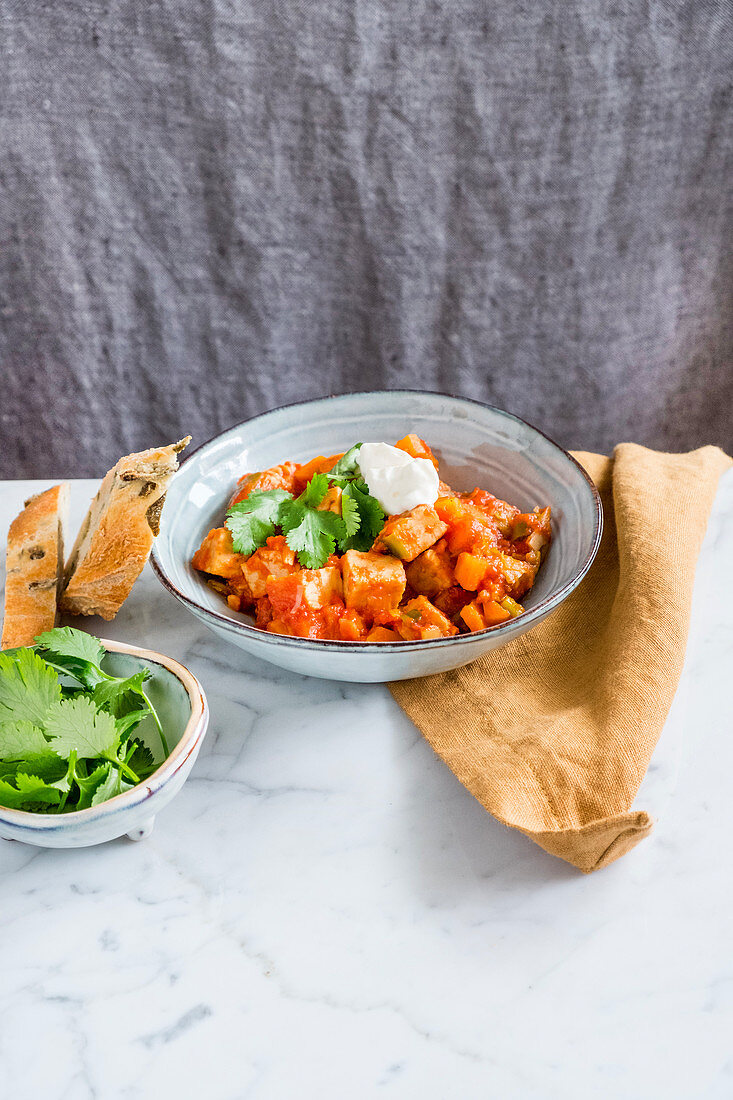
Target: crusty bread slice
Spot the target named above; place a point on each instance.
(117, 535)
(35, 566)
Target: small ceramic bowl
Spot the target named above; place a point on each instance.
(181, 704)
(477, 445)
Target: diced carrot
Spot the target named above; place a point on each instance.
(413, 445)
(472, 616)
(382, 634)
(470, 571)
(449, 509)
(430, 631)
(311, 625)
(319, 465)
(331, 501)
(276, 477)
(470, 529)
(351, 627)
(277, 626)
(494, 613)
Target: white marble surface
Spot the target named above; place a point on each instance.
(324, 912)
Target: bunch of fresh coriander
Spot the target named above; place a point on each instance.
(312, 533)
(66, 726)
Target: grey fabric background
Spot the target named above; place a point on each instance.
(212, 207)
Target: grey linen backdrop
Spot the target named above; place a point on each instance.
(212, 207)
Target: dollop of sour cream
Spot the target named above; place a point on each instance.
(397, 480)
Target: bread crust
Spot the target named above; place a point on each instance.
(117, 535)
(35, 558)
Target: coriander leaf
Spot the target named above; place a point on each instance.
(65, 641)
(347, 464)
(315, 490)
(361, 542)
(126, 723)
(76, 724)
(349, 512)
(46, 765)
(30, 789)
(113, 784)
(254, 519)
(85, 673)
(371, 516)
(108, 788)
(142, 761)
(127, 702)
(312, 534)
(73, 653)
(34, 789)
(88, 785)
(110, 692)
(28, 687)
(19, 739)
(68, 692)
(65, 784)
(10, 796)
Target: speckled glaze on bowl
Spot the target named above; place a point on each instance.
(180, 701)
(477, 446)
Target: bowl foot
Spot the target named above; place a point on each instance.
(143, 830)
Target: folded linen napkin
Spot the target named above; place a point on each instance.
(553, 732)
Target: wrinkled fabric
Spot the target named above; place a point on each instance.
(212, 207)
(553, 732)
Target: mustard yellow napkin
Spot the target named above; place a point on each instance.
(553, 733)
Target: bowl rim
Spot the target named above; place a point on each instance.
(190, 739)
(234, 626)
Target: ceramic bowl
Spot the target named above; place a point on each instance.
(477, 445)
(181, 704)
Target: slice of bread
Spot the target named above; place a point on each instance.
(35, 566)
(117, 535)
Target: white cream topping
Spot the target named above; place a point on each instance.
(397, 480)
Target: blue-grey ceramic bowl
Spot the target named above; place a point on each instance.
(181, 704)
(477, 446)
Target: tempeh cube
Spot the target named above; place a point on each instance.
(420, 619)
(431, 572)
(274, 559)
(373, 583)
(408, 534)
(309, 589)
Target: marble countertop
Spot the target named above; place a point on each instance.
(324, 912)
